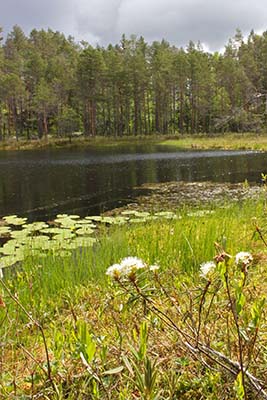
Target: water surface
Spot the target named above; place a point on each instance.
(40, 184)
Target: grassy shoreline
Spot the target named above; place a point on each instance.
(228, 141)
(104, 342)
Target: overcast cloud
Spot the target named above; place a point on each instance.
(212, 22)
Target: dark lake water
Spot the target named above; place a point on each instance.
(40, 184)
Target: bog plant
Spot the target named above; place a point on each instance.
(224, 293)
(161, 324)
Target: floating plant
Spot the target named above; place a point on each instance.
(61, 236)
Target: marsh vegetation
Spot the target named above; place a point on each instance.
(166, 325)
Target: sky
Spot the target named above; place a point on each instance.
(212, 22)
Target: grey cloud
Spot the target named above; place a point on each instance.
(30, 14)
(209, 21)
(104, 21)
(99, 16)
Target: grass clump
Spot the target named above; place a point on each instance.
(156, 326)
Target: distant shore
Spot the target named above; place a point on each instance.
(228, 141)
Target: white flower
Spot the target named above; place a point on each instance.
(206, 268)
(130, 265)
(243, 258)
(1, 273)
(154, 268)
(114, 271)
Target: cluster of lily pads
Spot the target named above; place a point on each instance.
(65, 234)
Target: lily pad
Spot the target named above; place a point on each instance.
(4, 230)
(66, 222)
(138, 220)
(96, 218)
(8, 261)
(35, 227)
(85, 222)
(142, 214)
(10, 247)
(52, 230)
(41, 242)
(14, 220)
(63, 235)
(20, 235)
(129, 212)
(85, 231)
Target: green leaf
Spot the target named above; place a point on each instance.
(114, 371)
(128, 364)
(14, 220)
(239, 388)
(4, 230)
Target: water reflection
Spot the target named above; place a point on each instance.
(42, 183)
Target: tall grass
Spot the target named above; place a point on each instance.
(181, 244)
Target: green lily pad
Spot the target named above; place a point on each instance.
(66, 222)
(20, 235)
(10, 247)
(142, 214)
(85, 231)
(74, 216)
(85, 222)
(96, 218)
(39, 242)
(129, 212)
(35, 227)
(120, 220)
(63, 235)
(8, 261)
(4, 230)
(14, 220)
(138, 220)
(52, 230)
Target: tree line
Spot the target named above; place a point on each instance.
(49, 84)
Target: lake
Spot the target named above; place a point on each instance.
(40, 184)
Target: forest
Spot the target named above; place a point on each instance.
(51, 85)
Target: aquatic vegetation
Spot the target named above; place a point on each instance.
(4, 230)
(14, 220)
(66, 233)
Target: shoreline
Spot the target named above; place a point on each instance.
(229, 141)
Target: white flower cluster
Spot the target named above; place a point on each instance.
(127, 267)
(243, 258)
(207, 268)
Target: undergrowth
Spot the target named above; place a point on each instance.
(70, 331)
